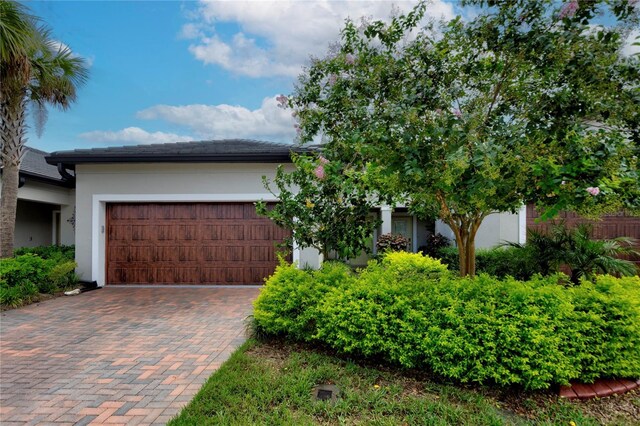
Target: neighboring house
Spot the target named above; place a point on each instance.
(46, 201)
(183, 213)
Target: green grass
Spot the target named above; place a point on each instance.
(271, 384)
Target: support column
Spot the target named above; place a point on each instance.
(385, 216)
(522, 224)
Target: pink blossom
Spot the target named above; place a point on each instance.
(298, 129)
(319, 172)
(633, 2)
(569, 9)
(294, 114)
(350, 59)
(593, 190)
(323, 160)
(332, 79)
(282, 101)
(457, 113)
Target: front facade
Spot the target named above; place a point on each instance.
(184, 214)
(46, 204)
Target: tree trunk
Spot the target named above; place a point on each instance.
(12, 134)
(465, 232)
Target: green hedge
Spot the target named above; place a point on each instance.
(410, 311)
(36, 270)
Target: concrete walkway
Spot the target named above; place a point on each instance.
(116, 355)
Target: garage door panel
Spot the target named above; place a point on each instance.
(190, 243)
(188, 275)
(130, 211)
(165, 254)
(166, 232)
(187, 232)
(233, 232)
(119, 232)
(188, 253)
(212, 232)
(141, 232)
(260, 232)
(262, 254)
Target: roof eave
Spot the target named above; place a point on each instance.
(72, 160)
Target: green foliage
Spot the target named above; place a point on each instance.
(499, 262)
(410, 311)
(435, 242)
(289, 301)
(325, 204)
(392, 242)
(463, 118)
(24, 276)
(59, 253)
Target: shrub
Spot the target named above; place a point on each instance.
(24, 276)
(49, 252)
(19, 295)
(410, 311)
(435, 242)
(392, 242)
(288, 302)
(605, 327)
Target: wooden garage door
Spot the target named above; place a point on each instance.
(195, 243)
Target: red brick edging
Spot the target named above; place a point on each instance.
(599, 389)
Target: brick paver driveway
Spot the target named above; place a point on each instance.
(116, 355)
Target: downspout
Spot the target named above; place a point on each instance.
(66, 176)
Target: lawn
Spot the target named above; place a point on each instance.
(271, 383)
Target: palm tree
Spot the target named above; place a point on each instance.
(35, 71)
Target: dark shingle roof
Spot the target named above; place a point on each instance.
(226, 150)
(34, 164)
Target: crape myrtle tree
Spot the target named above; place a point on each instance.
(35, 71)
(531, 101)
(325, 202)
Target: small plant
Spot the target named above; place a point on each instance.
(392, 242)
(435, 242)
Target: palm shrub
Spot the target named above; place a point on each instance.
(582, 255)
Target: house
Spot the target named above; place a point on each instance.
(46, 201)
(183, 213)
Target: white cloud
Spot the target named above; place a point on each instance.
(269, 122)
(133, 135)
(59, 46)
(277, 37)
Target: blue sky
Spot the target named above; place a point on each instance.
(167, 71)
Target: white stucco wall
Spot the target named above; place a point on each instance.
(495, 229)
(97, 184)
(30, 232)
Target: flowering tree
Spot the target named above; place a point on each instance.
(526, 103)
(325, 203)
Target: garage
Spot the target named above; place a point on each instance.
(189, 243)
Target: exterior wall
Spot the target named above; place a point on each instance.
(98, 184)
(34, 218)
(495, 229)
(34, 224)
